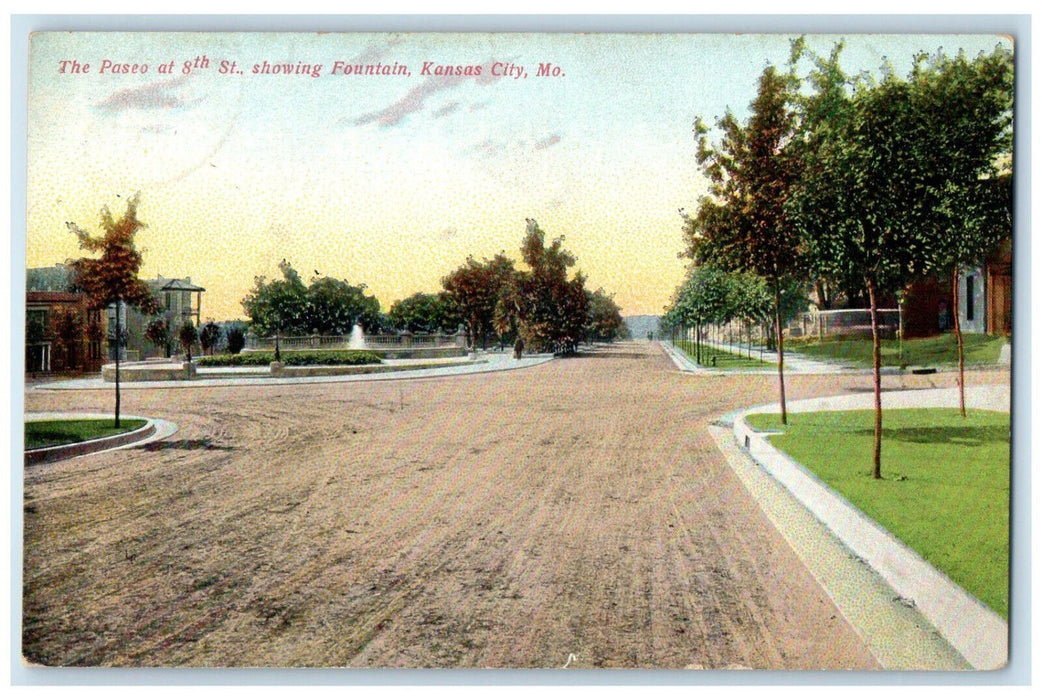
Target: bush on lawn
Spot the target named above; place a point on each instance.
(260, 359)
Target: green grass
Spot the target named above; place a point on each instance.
(49, 433)
(724, 359)
(945, 485)
(941, 350)
(292, 358)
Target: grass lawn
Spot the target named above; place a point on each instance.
(48, 433)
(945, 485)
(724, 359)
(942, 350)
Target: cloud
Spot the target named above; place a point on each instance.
(547, 142)
(158, 95)
(416, 98)
(488, 148)
(446, 110)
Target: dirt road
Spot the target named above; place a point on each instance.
(576, 512)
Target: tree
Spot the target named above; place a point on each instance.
(862, 201)
(326, 306)
(335, 306)
(188, 336)
(706, 297)
(743, 224)
(475, 291)
(209, 336)
(966, 111)
(605, 318)
(549, 310)
(68, 331)
(425, 313)
(235, 335)
(278, 306)
(113, 277)
(158, 333)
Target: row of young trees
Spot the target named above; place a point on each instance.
(859, 183)
(162, 332)
(545, 304)
(712, 296)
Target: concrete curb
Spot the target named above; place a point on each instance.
(479, 366)
(75, 449)
(978, 633)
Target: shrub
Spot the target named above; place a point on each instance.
(318, 357)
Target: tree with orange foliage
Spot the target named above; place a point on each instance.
(112, 278)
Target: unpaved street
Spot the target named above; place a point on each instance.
(579, 507)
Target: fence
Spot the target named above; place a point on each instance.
(851, 322)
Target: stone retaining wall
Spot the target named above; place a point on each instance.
(152, 373)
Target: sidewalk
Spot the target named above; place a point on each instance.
(978, 634)
(794, 363)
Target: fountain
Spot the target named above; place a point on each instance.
(357, 339)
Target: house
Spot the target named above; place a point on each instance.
(986, 294)
(985, 299)
(62, 332)
(176, 307)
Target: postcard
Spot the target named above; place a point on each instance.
(501, 350)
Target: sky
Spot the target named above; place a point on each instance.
(392, 180)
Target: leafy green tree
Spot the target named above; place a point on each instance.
(209, 336)
(235, 336)
(279, 306)
(475, 290)
(335, 306)
(188, 335)
(424, 313)
(550, 310)
(705, 297)
(112, 278)
(605, 318)
(864, 205)
(743, 224)
(158, 333)
(965, 108)
(326, 306)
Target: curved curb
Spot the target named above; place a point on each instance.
(974, 630)
(153, 429)
(481, 366)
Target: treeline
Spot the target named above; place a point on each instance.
(852, 183)
(547, 305)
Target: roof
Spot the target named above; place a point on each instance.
(54, 298)
(165, 284)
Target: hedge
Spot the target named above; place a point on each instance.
(295, 358)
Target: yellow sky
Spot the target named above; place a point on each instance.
(387, 180)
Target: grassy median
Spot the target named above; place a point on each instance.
(50, 433)
(945, 485)
(723, 358)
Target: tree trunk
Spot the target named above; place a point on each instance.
(781, 354)
(877, 386)
(119, 342)
(958, 339)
